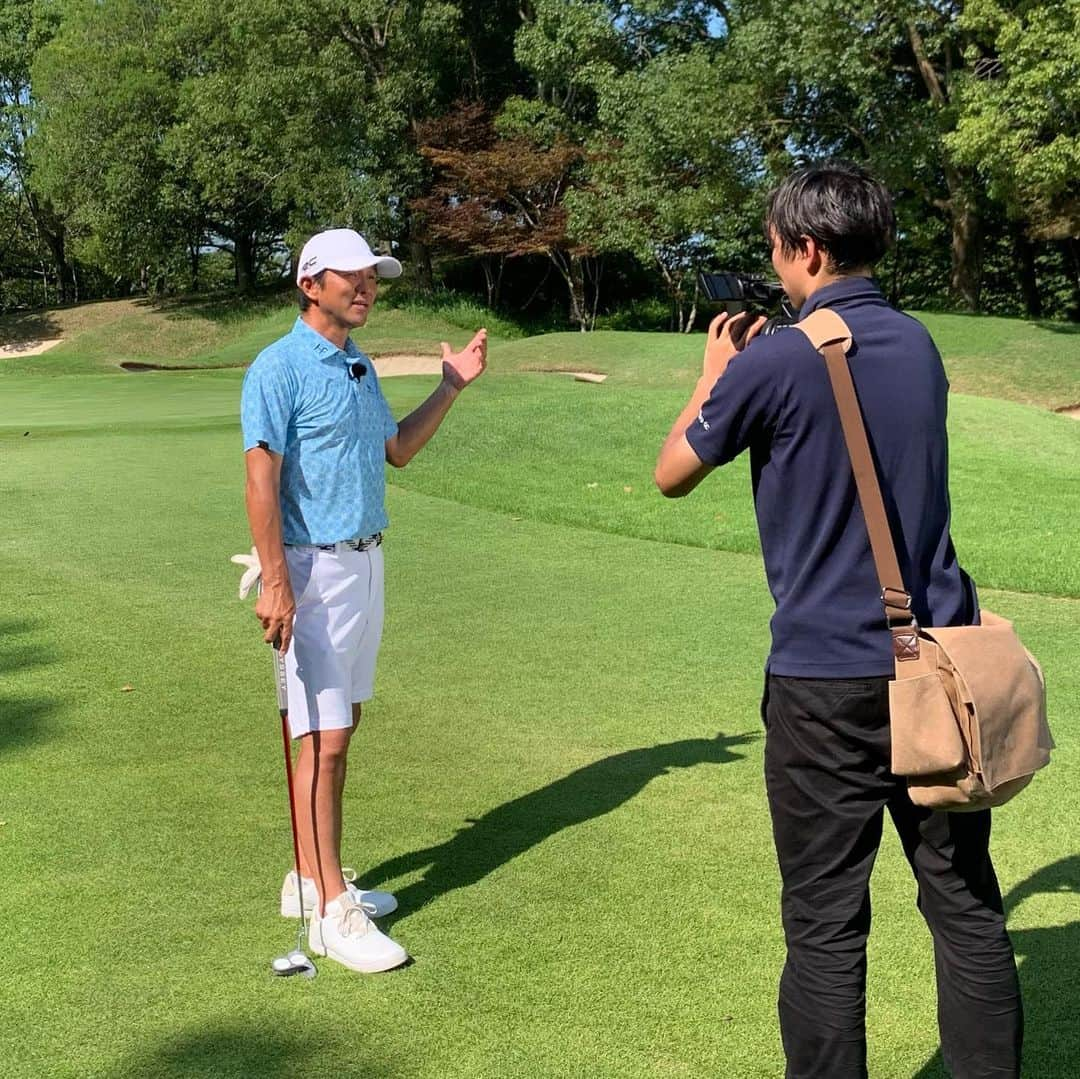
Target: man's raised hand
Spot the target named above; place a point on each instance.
(461, 368)
(727, 335)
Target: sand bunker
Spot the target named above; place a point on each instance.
(406, 363)
(27, 348)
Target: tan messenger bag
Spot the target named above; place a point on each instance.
(967, 710)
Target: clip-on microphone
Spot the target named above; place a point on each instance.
(357, 371)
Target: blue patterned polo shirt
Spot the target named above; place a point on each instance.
(300, 400)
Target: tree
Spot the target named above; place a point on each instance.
(97, 150)
(876, 81)
(503, 197)
(25, 27)
(668, 177)
(1019, 123)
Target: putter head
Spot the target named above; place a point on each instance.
(285, 966)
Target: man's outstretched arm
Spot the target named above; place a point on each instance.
(416, 429)
(678, 468)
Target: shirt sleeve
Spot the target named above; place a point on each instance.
(743, 404)
(389, 424)
(266, 406)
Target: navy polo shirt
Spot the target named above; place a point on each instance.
(775, 400)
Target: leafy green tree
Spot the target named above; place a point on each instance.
(25, 27)
(876, 81)
(668, 174)
(1019, 117)
(97, 150)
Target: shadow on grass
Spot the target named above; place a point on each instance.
(21, 649)
(514, 827)
(22, 721)
(237, 1052)
(225, 307)
(1068, 328)
(26, 326)
(1049, 960)
(21, 717)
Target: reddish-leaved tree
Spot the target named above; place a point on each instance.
(497, 198)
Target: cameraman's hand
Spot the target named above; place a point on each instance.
(727, 335)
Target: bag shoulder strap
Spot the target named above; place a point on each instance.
(825, 327)
(829, 334)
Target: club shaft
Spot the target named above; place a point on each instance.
(283, 708)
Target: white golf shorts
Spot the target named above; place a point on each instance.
(330, 664)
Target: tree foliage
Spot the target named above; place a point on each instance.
(139, 136)
(497, 197)
(1019, 125)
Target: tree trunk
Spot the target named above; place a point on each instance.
(193, 249)
(966, 226)
(1071, 251)
(65, 277)
(493, 275)
(420, 256)
(692, 318)
(579, 311)
(569, 267)
(1024, 252)
(244, 262)
(51, 230)
(594, 270)
(966, 280)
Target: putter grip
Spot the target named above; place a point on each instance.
(279, 677)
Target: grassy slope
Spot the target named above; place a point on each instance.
(225, 333)
(586, 874)
(1032, 363)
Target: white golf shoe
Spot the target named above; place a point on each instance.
(375, 903)
(347, 934)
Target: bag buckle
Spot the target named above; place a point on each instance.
(888, 594)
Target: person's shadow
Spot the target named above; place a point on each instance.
(1049, 961)
(514, 827)
(24, 718)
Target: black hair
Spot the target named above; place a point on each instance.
(303, 300)
(840, 206)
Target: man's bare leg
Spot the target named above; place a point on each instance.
(320, 780)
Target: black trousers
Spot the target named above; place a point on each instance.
(828, 781)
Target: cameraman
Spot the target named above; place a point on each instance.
(826, 693)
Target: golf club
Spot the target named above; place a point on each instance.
(296, 962)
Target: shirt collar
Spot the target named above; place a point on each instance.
(842, 291)
(323, 348)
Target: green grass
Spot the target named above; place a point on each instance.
(1036, 363)
(560, 774)
(549, 448)
(215, 333)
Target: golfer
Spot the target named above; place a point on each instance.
(317, 434)
(826, 694)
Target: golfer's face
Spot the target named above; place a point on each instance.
(349, 295)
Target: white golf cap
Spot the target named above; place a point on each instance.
(344, 250)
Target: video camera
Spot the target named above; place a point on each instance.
(757, 295)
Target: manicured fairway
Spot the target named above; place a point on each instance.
(560, 775)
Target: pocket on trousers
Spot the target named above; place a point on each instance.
(301, 572)
(925, 736)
